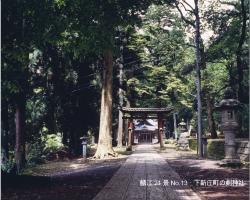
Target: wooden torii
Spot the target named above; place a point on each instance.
(145, 113)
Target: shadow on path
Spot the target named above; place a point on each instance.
(84, 184)
(191, 169)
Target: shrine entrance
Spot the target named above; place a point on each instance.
(145, 113)
(145, 137)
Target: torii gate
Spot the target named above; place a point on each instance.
(145, 113)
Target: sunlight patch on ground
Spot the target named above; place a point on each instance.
(51, 168)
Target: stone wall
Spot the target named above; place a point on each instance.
(243, 149)
(215, 148)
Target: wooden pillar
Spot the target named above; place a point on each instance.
(125, 135)
(160, 131)
(132, 133)
(130, 129)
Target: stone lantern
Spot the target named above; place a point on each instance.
(229, 125)
(182, 126)
(84, 146)
(182, 142)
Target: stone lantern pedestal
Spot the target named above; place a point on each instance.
(229, 125)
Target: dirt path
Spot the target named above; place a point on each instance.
(192, 169)
(69, 185)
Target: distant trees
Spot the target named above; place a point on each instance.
(216, 56)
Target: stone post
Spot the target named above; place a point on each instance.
(84, 146)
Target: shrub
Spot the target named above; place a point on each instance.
(35, 153)
(52, 143)
(215, 149)
(8, 166)
(192, 143)
(167, 142)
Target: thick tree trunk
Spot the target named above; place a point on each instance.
(241, 96)
(20, 126)
(105, 140)
(83, 99)
(211, 123)
(5, 128)
(239, 53)
(120, 120)
(52, 58)
(198, 74)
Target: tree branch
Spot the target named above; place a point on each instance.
(190, 11)
(189, 5)
(182, 16)
(228, 3)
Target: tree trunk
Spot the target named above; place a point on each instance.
(105, 140)
(120, 120)
(5, 128)
(52, 59)
(211, 123)
(20, 126)
(198, 75)
(241, 96)
(239, 53)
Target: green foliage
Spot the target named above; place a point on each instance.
(160, 44)
(35, 153)
(8, 165)
(215, 149)
(52, 142)
(244, 113)
(167, 142)
(192, 143)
